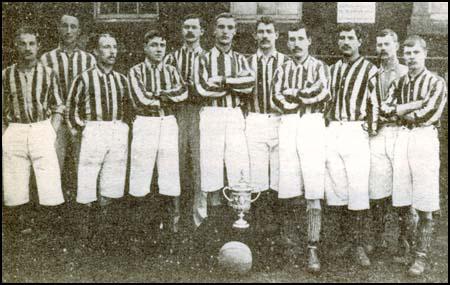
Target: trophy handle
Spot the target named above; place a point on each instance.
(257, 196)
(225, 194)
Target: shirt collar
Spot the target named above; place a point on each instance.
(198, 49)
(61, 49)
(101, 73)
(260, 54)
(216, 52)
(394, 66)
(305, 63)
(151, 65)
(413, 79)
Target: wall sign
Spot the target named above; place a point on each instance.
(356, 12)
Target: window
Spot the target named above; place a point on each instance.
(281, 11)
(438, 11)
(126, 11)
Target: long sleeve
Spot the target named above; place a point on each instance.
(245, 80)
(4, 102)
(436, 100)
(318, 91)
(373, 103)
(178, 92)
(140, 95)
(76, 99)
(277, 92)
(55, 103)
(201, 78)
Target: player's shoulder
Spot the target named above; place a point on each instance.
(8, 69)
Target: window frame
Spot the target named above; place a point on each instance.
(252, 18)
(119, 17)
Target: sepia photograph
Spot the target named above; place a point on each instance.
(207, 142)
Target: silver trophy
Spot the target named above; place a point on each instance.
(240, 200)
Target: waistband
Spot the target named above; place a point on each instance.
(259, 115)
(105, 123)
(151, 118)
(30, 125)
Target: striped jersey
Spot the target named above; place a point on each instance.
(232, 65)
(350, 90)
(424, 86)
(147, 80)
(66, 66)
(384, 79)
(309, 78)
(264, 69)
(97, 96)
(183, 59)
(29, 97)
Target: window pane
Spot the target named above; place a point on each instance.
(287, 8)
(245, 8)
(128, 8)
(108, 7)
(267, 8)
(148, 8)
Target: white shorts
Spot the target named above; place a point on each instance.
(381, 162)
(348, 165)
(291, 180)
(103, 154)
(155, 139)
(262, 139)
(222, 140)
(416, 169)
(26, 146)
(311, 149)
(302, 156)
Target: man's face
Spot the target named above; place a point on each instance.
(348, 43)
(298, 43)
(266, 36)
(225, 30)
(386, 47)
(106, 51)
(27, 46)
(69, 29)
(192, 31)
(155, 49)
(415, 56)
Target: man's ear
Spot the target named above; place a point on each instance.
(277, 35)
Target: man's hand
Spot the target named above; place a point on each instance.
(290, 95)
(216, 81)
(409, 118)
(164, 99)
(387, 110)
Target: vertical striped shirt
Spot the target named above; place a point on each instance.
(425, 86)
(29, 97)
(350, 90)
(232, 65)
(309, 78)
(66, 66)
(183, 59)
(147, 80)
(264, 70)
(96, 96)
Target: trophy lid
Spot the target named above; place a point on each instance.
(242, 186)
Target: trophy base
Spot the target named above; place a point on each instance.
(241, 224)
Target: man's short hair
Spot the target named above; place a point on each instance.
(267, 20)
(194, 16)
(298, 26)
(224, 15)
(388, 32)
(347, 27)
(96, 39)
(27, 29)
(413, 40)
(153, 34)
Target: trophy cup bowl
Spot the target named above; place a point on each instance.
(240, 200)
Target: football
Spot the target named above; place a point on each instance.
(235, 257)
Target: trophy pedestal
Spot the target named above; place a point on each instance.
(241, 223)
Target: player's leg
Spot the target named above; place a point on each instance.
(144, 148)
(168, 168)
